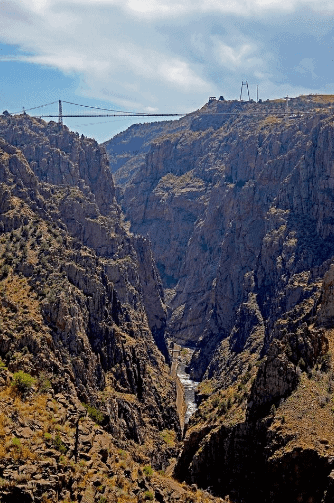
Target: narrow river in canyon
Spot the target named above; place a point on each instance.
(189, 387)
(188, 384)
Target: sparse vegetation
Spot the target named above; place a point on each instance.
(94, 413)
(44, 383)
(169, 437)
(23, 382)
(148, 471)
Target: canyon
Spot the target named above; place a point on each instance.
(211, 235)
(236, 200)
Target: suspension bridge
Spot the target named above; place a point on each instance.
(98, 112)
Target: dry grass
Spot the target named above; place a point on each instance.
(169, 436)
(306, 417)
(47, 415)
(323, 98)
(270, 121)
(18, 295)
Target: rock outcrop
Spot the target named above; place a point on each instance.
(82, 316)
(238, 208)
(235, 207)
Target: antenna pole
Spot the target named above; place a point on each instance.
(257, 93)
(286, 108)
(60, 120)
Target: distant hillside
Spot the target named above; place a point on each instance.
(128, 148)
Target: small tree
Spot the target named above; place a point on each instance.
(148, 471)
(22, 382)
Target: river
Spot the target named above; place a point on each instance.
(189, 387)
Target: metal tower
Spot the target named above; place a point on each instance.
(242, 85)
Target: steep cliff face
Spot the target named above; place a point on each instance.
(238, 207)
(269, 435)
(82, 313)
(276, 257)
(81, 195)
(230, 204)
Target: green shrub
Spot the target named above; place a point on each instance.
(123, 454)
(148, 496)
(148, 471)
(22, 381)
(63, 460)
(16, 442)
(59, 445)
(169, 437)
(94, 413)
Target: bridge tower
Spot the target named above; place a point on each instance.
(60, 118)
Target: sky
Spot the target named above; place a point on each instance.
(159, 56)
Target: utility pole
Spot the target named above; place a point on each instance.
(257, 93)
(60, 119)
(286, 108)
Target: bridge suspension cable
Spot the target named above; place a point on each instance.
(99, 108)
(113, 115)
(117, 113)
(34, 108)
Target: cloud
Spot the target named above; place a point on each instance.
(306, 65)
(241, 56)
(159, 55)
(112, 53)
(173, 8)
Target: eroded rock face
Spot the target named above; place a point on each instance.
(239, 213)
(98, 302)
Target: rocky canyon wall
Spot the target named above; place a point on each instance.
(235, 208)
(238, 206)
(82, 316)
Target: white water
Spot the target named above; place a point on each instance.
(189, 387)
